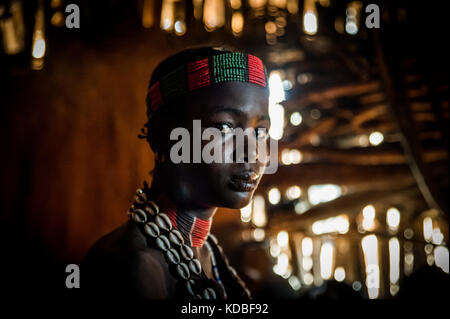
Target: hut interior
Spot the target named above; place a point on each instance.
(359, 105)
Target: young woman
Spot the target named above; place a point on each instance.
(165, 249)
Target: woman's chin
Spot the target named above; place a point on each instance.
(238, 200)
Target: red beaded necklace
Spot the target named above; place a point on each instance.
(194, 230)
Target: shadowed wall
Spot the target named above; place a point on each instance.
(73, 160)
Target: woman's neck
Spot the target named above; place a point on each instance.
(193, 222)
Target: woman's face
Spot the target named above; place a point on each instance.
(226, 107)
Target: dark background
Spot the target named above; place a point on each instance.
(71, 159)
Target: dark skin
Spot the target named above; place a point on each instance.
(196, 189)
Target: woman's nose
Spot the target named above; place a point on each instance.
(246, 148)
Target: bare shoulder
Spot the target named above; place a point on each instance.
(121, 264)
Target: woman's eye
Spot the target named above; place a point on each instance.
(261, 133)
(225, 128)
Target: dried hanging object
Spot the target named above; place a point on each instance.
(12, 28)
(38, 42)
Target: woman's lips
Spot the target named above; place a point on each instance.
(244, 182)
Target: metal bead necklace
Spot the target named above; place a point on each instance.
(215, 268)
(158, 227)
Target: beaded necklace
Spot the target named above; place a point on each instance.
(195, 230)
(216, 269)
(159, 229)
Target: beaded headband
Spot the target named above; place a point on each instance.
(223, 67)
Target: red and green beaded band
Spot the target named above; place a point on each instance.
(224, 67)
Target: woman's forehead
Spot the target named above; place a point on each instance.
(232, 97)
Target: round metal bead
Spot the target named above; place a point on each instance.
(138, 200)
(151, 229)
(139, 216)
(183, 271)
(209, 293)
(152, 208)
(214, 239)
(195, 266)
(190, 287)
(186, 252)
(176, 237)
(163, 242)
(140, 193)
(163, 221)
(173, 256)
